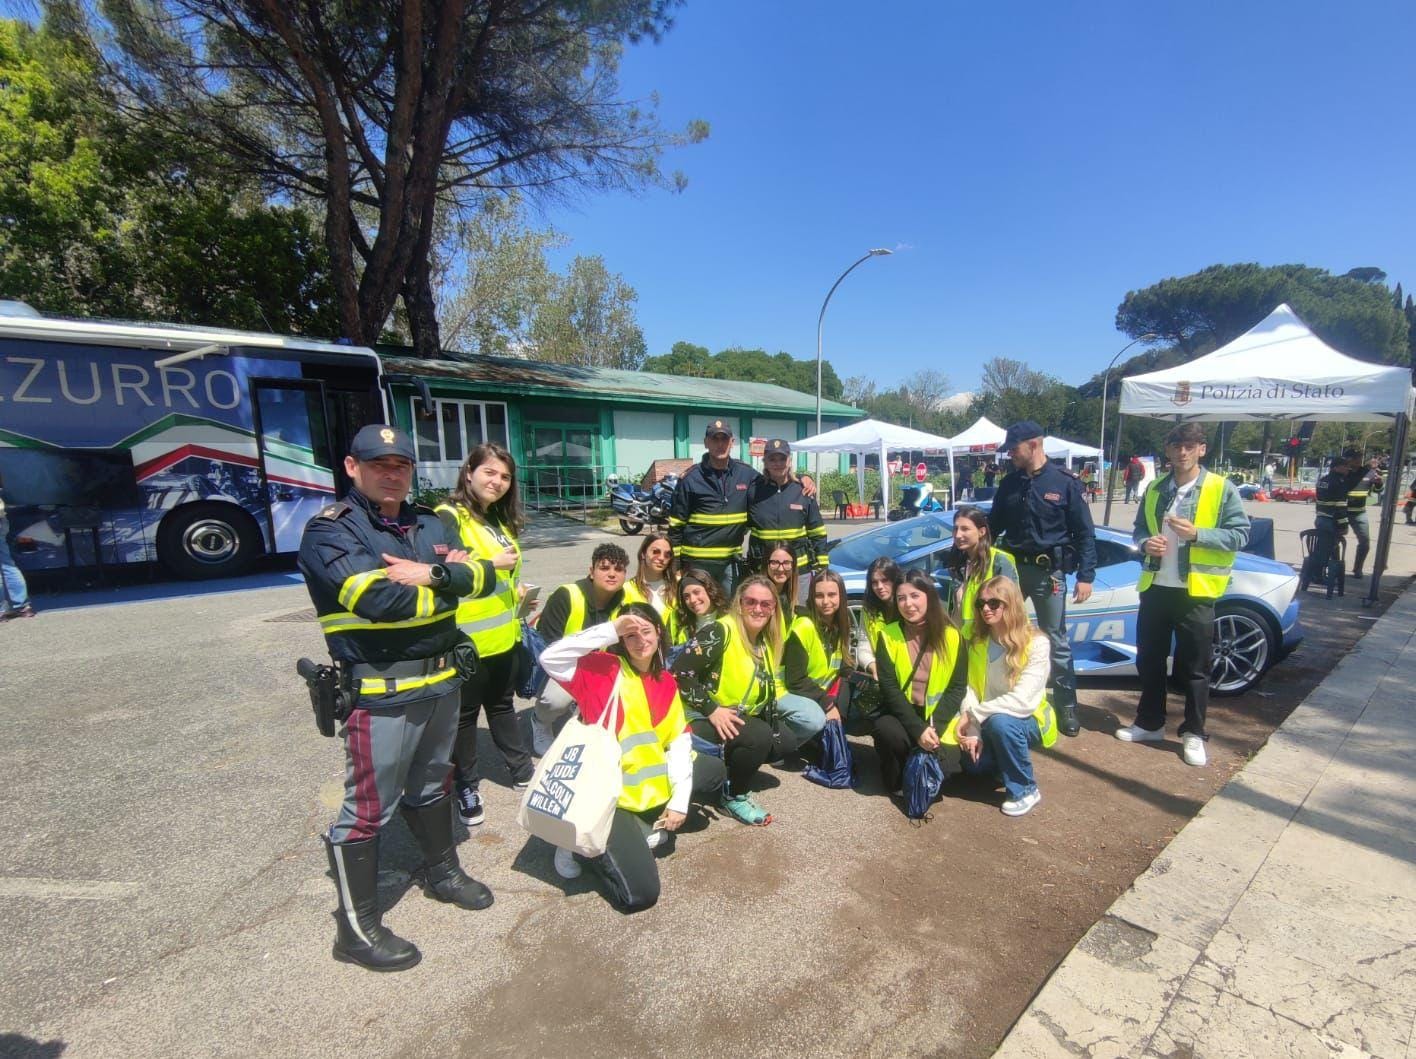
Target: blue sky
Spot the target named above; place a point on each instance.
(1032, 162)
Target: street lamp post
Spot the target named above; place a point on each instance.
(820, 320)
(1105, 382)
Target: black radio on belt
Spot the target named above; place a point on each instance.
(331, 700)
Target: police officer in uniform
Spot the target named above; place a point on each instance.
(1368, 481)
(780, 512)
(1331, 519)
(1041, 517)
(385, 579)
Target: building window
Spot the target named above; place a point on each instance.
(456, 428)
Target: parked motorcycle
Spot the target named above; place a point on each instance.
(637, 507)
(916, 500)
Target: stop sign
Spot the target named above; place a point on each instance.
(921, 472)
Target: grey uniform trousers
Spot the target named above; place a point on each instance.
(1048, 591)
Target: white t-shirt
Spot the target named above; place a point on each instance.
(1183, 507)
(657, 598)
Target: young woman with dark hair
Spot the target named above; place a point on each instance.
(699, 600)
(619, 665)
(972, 561)
(653, 580)
(923, 677)
(882, 578)
(780, 568)
(485, 513)
(821, 646)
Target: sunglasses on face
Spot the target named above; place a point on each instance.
(989, 604)
(759, 604)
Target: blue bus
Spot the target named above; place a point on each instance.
(198, 448)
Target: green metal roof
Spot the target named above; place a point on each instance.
(514, 376)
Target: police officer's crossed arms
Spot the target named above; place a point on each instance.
(1041, 517)
(385, 579)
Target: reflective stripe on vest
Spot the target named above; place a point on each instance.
(1209, 567)
(741, 680)
(489, 620)
(575, 620)
(820, 669)
(644, 762)
(940, 670)
(1044, 715)
(971, 587)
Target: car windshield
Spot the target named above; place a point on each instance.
(894, 540)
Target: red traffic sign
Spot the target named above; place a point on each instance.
(757, 446)
(921, 472)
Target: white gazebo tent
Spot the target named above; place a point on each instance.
(871, 436)
(984, 436)
(1279, 369)
(1062, 449)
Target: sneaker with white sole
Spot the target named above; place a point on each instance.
(541, 736)
(1023, 805)
(567, 867)
(656, 838)
(1134, 733)
(1193, 750)
(469, 806)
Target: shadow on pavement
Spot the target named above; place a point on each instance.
(149, 582)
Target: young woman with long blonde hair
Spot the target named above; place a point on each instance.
(1005, 709)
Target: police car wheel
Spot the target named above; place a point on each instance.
(1245, 645)
(200, 541)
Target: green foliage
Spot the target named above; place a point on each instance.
(747, 365)
(831, 481)
(1201, 312)
(588, 319)
(97, 218)
(1011, 391)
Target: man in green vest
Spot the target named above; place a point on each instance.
(1190, 527)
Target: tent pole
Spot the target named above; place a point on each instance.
(1115, 461)
(860, 476)
(1389, 499)
(953, 490)
(884, 480)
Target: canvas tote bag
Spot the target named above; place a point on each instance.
(572, 798)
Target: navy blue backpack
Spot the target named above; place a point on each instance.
(836, 768)
(530, 677)
(924, 776)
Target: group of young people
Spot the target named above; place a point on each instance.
(707, 687)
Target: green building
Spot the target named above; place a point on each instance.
(573, 429)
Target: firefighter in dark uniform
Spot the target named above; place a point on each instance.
(385, 579)
(1041, 517)
(708, 514)
(780, 512)
(1330, 521)
(1368, 481)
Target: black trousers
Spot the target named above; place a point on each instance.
(892, 747)
(492, 686)
(744, 753)
(627, 866)
(1166, 613)
(1329, 532)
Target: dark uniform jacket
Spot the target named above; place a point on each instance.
(1332, 490)
(1042, 513)
(708, 514)
(783, 514)
(374, 623)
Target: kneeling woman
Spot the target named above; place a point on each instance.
(1006, 710)
(729, 684)
(619, 665)
(822, 648)
(923, 677)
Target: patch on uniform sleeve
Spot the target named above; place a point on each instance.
(797, 507)
(1052, 498)
(742, 488)
(335, 510)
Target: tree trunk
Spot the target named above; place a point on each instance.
(422, 310)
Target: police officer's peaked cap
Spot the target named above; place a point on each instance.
(377, 440)
(1351, 455)
(1020, 432)
(718, 426)
(778, 447)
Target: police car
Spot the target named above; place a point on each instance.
(1256, 620)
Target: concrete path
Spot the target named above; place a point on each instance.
(1281, 921)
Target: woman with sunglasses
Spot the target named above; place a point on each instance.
(1005, 710)
(882, 578)
(485, 511)
(727, 678)
(972, 561)
(923, 672)
(619, 665)
(653, 580)
(699, 600)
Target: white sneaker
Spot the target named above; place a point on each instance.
(1023, 805)
(655, 838)
(1134, 733)
(541, 736)
(567, 867)
(1193, 750)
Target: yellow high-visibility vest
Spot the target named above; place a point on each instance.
(892, 636)
(821, 669)
(742, 680)
(968, 604)
(490, 621)
(1044, 715)
(644, 761)
(1209, 567)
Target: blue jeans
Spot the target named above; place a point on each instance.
(801, 718)
(16, 592)
(1005, 753)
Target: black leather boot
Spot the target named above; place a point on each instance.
(432, 827)
(361, 936)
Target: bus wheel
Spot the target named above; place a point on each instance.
(199, 541)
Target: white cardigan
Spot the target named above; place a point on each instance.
(1000, 695)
